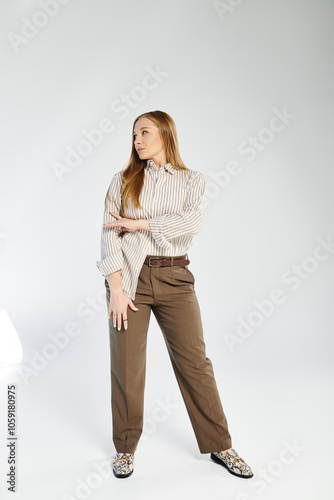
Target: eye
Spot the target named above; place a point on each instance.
(135, 135)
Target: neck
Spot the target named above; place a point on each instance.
(159, 160)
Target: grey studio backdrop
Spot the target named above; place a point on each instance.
(250, 87)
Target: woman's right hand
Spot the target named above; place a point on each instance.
(118, 307)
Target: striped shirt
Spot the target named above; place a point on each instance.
(173, 202)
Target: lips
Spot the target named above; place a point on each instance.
(140, 149)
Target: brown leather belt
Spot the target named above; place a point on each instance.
(155, 261)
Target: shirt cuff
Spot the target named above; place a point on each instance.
(156, 230)
(111, 264)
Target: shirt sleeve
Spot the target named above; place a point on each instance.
(111, 244)
(188, 222)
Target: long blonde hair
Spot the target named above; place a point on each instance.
(133, 174)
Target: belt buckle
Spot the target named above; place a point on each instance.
(154, 258)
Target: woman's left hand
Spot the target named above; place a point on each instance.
(129, 225)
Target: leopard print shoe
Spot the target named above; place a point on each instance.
(123, 464)
(233, 463)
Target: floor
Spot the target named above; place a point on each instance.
(281, 427)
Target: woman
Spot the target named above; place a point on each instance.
(153, 208)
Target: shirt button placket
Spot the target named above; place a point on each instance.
(155, 184)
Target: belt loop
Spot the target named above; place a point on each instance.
(171, 261)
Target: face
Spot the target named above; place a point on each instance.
(148, 142)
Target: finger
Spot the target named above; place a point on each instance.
(111, 224)
(114, 319)
(125, 323)
(115, 215)
(119, 322)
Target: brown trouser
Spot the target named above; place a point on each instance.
(169, 292)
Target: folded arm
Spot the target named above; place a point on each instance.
(188, 222)
(111, 244)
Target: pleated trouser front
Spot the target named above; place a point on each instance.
(169, 292)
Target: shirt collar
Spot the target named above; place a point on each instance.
(169, 167)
